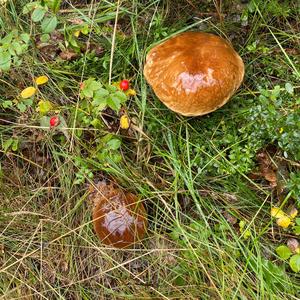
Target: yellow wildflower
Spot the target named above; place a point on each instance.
(130, 92)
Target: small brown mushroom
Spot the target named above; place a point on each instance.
(119, 218)
(194, 73)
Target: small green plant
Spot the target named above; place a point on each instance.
(274, 275)
(83, 171)
(72, 34)
(12, 47)
(104, 148)
(285, 253)
(44, 12)
(101, 96)
(107, 149)
(273, 119)
(11, 144)
(294, 186)
(296, 228)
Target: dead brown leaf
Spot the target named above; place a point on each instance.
(267, 168)
(97, 49)
(68, 54)
(230, 218)
(48, 52)
(293, 244)
(76, 21)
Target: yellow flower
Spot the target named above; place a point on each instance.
(284, 222)
(281, 130)
(28, 92)
(130, 92)
(41, 80)
(277, 212)
(124, 122)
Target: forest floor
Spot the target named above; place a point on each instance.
(222, 191)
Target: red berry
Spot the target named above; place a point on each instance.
(124, 85)
(54, 121)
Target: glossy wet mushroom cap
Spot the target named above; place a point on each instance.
(194, 73)
(119, 218)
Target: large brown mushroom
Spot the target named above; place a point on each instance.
(194, 73)
(119, 217)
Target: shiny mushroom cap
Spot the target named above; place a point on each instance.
(194, 73)
(119, 218)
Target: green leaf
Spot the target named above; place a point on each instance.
(121, 96)
(21, 106)
(11, 51)
(5, 61)
(44, 122)
(296, 230)
(101, 92)
(17, 47)
(15, 145)
(30, 6)
(28, 101)
(89, 87)
(72, 41)
(7, 104)
(272, 273)
(85, 29)
(96, 123)
(111, 88)
(49, 24)
(92, 84)
(7, 144)
(297, 221)
(8, 38)
(113, 144)
(289, 88)
(87, 93)
(38, 14)
(100, 103)
(45, 106)
(283, 252)
(54, 5)
(295, 263)
(25, 37)
(100, 98)
(114, 103)
(45, 37)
